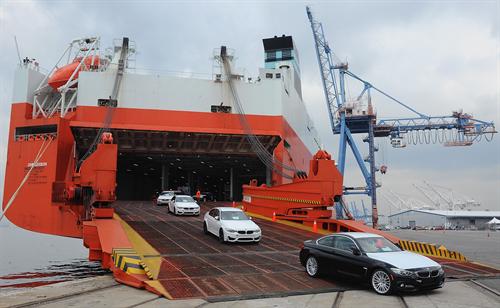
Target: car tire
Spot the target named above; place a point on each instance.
(205, 229)
(380, 282)
(221, 236)
(312, 266)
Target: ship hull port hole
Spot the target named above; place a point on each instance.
(150, 161)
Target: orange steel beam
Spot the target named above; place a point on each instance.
(307, 200)
(303, 198)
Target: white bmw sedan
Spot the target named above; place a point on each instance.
(183, 205)
(231, 225)
(165, 198)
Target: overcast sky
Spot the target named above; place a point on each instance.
(435, 56)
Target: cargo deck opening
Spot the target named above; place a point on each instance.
(219, 177)
(152, 161)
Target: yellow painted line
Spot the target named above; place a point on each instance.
(132, 270)
(128, 261)
(150, 256)
(122, 260)
(286, 199)
(289, 223)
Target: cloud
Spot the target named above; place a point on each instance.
(437, 57)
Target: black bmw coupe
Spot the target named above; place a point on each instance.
(373, 258)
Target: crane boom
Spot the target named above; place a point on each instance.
(348, 118)
(336, 101)
(323, 52)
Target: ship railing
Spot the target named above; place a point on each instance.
(171, 73)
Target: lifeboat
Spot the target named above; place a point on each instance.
(62, 75)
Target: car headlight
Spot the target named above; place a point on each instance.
(230, 230)
(403, 272)
(257, 231)
(440, 271)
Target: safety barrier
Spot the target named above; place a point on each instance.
(129, 261)
(431, 250)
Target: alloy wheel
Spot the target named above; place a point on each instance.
(381, 282)
(312, 267)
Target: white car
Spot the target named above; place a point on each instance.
(165, 197)
(231, 225)
(183, 205)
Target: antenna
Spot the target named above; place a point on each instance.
(17, 48)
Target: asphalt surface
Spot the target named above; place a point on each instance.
(104, 291)
(479, 246)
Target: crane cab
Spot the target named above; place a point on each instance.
(398, 142)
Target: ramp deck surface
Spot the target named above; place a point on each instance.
(195, 265)
(198, 265)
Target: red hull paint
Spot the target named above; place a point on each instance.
(33, 208)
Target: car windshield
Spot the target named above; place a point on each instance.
(167, 193)
(184, 199)
(233, 215)
(376, 244)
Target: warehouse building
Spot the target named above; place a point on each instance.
(470, 220)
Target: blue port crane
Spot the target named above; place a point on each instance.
(354, 117)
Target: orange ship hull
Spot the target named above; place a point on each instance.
(38, 206)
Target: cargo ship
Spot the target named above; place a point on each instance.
(171, 132)
(93, 141)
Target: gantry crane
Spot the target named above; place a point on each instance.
(451, 203)
(348, 117)
(435, 202)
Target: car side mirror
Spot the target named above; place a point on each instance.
(355, 251)
(216, 217)
(250, 217)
